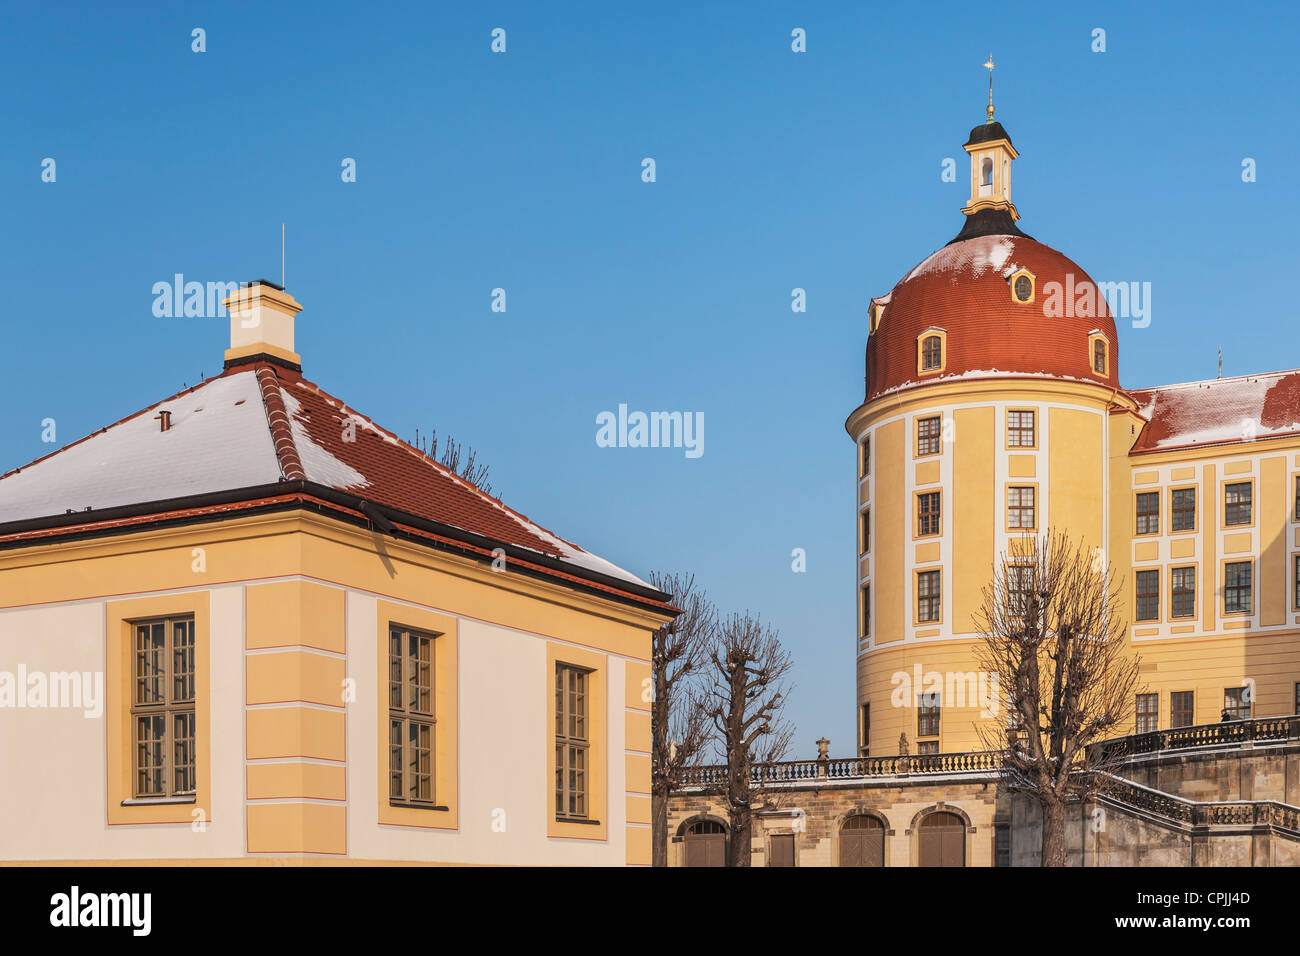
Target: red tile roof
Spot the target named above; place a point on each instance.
(300, 437)
(963, 289)
(1218, 411)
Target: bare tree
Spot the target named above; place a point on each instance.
(469, 468)
(1054, 634)
(746, 699)
(679, 726)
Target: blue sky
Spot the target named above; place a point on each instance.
(522, 171)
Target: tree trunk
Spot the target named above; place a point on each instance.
(659, 828)
(1054, 849)
(739, 852)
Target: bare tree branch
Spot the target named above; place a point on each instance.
(679, 725)
(746, 697)
(457, 458)
(1054, 634)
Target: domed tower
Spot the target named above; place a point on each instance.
(991, 378)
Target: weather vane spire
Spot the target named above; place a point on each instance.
(988, 65)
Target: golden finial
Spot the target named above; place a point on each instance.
(989, 66)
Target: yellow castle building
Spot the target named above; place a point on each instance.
(249, 625)
(994, 409)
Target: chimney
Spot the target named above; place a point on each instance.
(261, 323)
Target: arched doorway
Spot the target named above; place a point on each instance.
(705, 843)
(941, 840)
(862, 841)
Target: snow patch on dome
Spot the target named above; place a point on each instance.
(975, 256)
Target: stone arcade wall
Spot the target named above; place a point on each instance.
(1215, 805)
(813, 813)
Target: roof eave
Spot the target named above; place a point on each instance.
(98, 522)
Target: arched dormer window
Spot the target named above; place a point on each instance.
(1099, 353)
(931, 353)
(931, 347)
(876, 312)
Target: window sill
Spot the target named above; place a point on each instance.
(157, 801)
(416, 806)
(588, 823)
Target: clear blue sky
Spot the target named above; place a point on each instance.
(523, 171)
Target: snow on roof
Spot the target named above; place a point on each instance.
(973, 373)
(428, 487)
(317, 463)
(1243, 408)
(223, 437)
(218, 441)
(974, 256)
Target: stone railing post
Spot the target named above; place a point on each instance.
(823, 758)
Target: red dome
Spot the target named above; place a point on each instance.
(965, 290)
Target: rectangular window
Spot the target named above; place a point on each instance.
(927, 747)
(864, 458)
(1001, 844)
(927, 513)
(866, 610)
(410, 718)
(1297, 582)
(1020, 508)
(1182, 592)
(1148, 595)
(1236, 588)
(866, 531)
(1183, 516)
(865, 747)
(162, 708)
(1236, 703)
(1148, 512)
(1020, 430)
(1148, 713)
(1295, 708)
(927, 436)
(1236, 503)
(1020, 584)
(927, 596)
(782, 850)
(927, 715)
(572, 743)
(1297, 498)
(1180, 708)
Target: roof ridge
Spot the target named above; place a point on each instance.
(277, 417)
(438, 466)
(120, 421)
(1208, 381)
